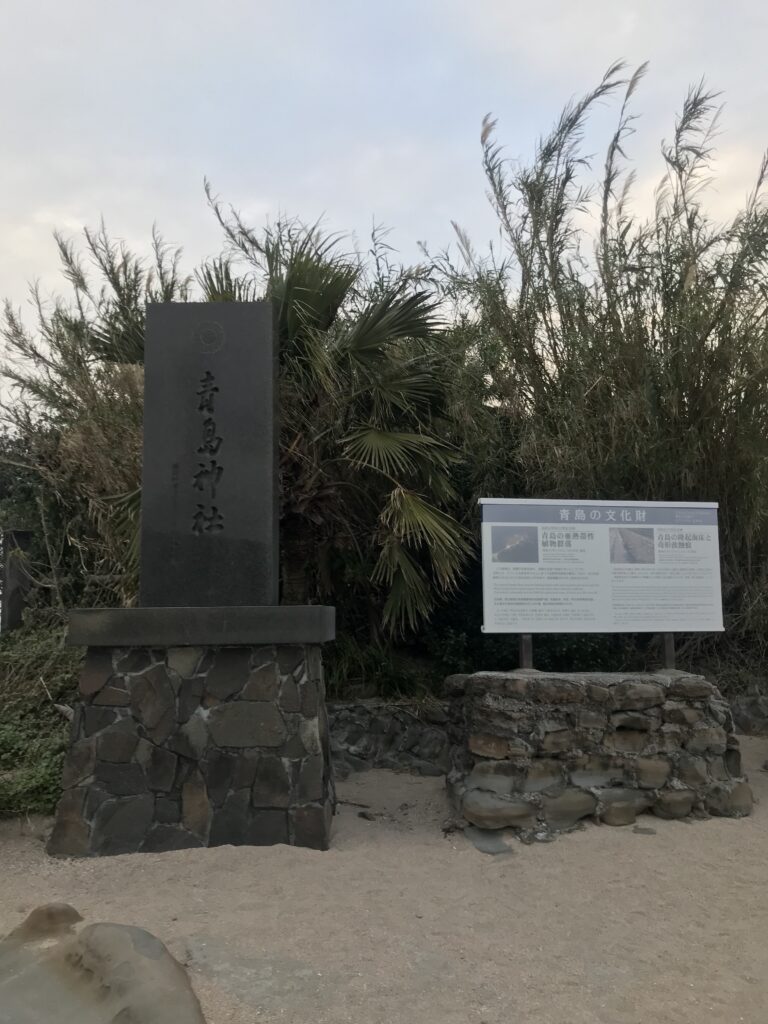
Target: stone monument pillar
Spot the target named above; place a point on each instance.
(202, 719)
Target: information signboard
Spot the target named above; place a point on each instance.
(600, 566)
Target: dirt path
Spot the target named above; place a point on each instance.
(399, 924)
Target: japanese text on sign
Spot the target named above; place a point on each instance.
(594, 567)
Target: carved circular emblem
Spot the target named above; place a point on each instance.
(210, 336)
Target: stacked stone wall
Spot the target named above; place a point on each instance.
(402, 736)
(191, 747)
(545, 751)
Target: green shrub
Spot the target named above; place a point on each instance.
(36, 671)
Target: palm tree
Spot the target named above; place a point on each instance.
(365, 476)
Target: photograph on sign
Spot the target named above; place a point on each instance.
(600, 567)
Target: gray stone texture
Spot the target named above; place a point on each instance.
(543, 751)
(391, 734)
(212, 746)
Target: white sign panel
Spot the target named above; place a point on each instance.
(600, 567)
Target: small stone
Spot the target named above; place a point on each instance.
(707, 739)
(191, 740)
(195, 806)
(589, 719)
(289, 696)
(114, 695)
(571, 806)
(543, 775)
(674, 803)
(594, 772)
(309, 731)
(598, 694)
(311, 826)
(289, 659)
(620, 806)
(95, 796)
(271, 785)
(556, 742)
(229, 824)
(96, 719)
(487, 841)
(121, 824)
(690, 687)
(554, 690)
(314, 664)
(692, 770)
(219, 770)
(230, 672)
(733, 762)
(500, 777)
(167, 811)
(118, 742)
(652, 772)
(489, 746)
(247, 724)
(263, 683)
(121, 779)
(246, 766)
(626, 741)
(79, 763)
(488, 810)
(681, 714)
(641, 831)
(135, 660)
(311, 785)
(517, 747)
(184, 660)
(729, 800)
(189, 698)
(96, 670)
(619, 813)
(162, 838)
(159, 767)
(636, 696)
(153, 702)
(308, 696)
(631, 720)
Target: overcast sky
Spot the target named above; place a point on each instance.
(348, 109)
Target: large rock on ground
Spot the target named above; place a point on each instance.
(106, 974)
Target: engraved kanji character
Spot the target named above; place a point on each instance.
(207, 520)
(209, 473)
(206, 391)
(211, 440)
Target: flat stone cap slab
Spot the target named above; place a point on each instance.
(192, 627)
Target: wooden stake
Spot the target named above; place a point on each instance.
(669, 650)
(526, 650)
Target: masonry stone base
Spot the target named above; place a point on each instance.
(185, 747)
(547, 750)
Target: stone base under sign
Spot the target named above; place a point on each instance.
(547, 750)
(185, 747)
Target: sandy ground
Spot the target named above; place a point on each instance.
(398, 923)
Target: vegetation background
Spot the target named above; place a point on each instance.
(588, 353)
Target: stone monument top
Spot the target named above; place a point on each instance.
(209, 533)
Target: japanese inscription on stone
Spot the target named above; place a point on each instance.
(209, 487)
